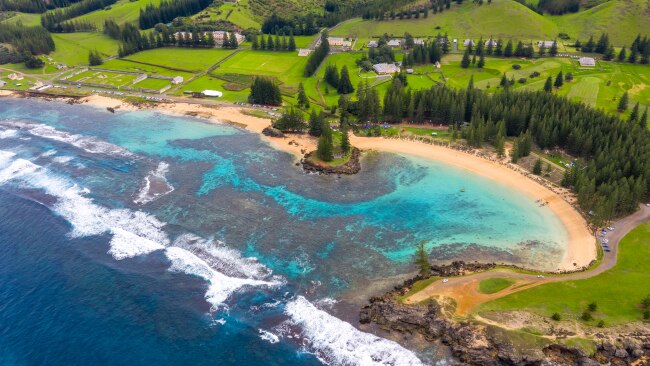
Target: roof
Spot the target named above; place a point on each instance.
(304, 52)
(212, 93)
(490, 41)
(546, 44)
(385, 68)
(468, 41)
(372, 44)
(394, 43)
(587, 61)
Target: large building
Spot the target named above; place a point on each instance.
(394, 43)
(490, 42)
(339, 42)
(468, 42)
(545, 44)
(385, 68)
(587, 61)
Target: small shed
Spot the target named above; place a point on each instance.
(177, 80)
(372, 44)
(468, 42)
(587, 61)
(212, 93)
(394, 43)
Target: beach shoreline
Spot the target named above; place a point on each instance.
(580, 250)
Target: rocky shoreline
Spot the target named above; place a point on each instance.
(472, 343)
(352, 166)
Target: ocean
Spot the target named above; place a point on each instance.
(142, 238)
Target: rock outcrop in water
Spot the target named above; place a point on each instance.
(477, 344)
(352, 166)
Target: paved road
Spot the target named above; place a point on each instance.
(464, 289)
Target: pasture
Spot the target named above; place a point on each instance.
(618, 291)
(124, 11)
(125, 65)
(187, 59)
(150, 83)
(72, 48)
(286, 67)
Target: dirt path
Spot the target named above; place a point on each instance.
(464, 290)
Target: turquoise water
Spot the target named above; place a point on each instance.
(213, 225)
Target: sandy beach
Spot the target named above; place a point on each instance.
(581, 246)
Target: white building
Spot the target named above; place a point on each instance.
(212, 93)
(372, 44)
(339, 42)
(304, 52)
(587, 61)
(394, 43)
(385, 68)
(468, 42)
(15, 76)
(545, 44)
(177, 80)
(418, 42)
(490, 42)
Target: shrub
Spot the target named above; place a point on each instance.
(556, 317)
(516, 66)
(563, 36)
(646, 314)
(592, 307)
(586, 316)
(601, 324)
(568, 77)
(522, 80)
(534, 74)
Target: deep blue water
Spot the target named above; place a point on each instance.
(139, 238)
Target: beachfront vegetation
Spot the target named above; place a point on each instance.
(619, 292)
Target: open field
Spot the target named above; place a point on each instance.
(72, 48)
(155, 84)
(210, 82)
(124, 11)
(104, 77)
(509, 19)
(494, 285)
(125, 65)
(27, 19)
(286, 67)
(189, 59)
(238, 14)
(617, 291)
(600, 87)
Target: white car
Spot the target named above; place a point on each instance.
(445, 280)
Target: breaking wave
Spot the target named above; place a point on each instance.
(337, 342)
(155, 185)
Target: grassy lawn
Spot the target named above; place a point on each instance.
(190, 59)
(27, 19)
(209, 82)
(104, 77)
(617, 292)
(125, 65)
(494, 285)
(150, 83)
(72, 48)
(509, 19)
(124, 11)
(286, 67)
(238, 14)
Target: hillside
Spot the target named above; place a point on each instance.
(622, 19)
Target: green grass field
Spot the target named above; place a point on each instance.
(238, 14)
(125, 65)
(149, 83)
(509, 19)
(286, 67)
(494, 285)
(28, 19)
(617, 292)
(104, 77)
(189, 59)
(72, 48)
(208, 82)
(124, 11)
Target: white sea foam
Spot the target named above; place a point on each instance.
(268, 336)
(125, 244)
(336, 342)
(221, 286)
(158, 178)
(89, 144)
(48, 153)
(62, 159)
(5, 134)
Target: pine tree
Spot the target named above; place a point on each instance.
(255, 43)
(537, 168)
(422, 260)
(332, 75)
(559, 80)
(553, 51)
(303, 101)
(609, 54)
(643, 120)
(325, 150)
(345, 140)
(481, 61)
(269, 43)
(315, 123)
(548, 86)
(262, 42)
(622, 55)
(507, 52)
(634, 115)
(94, 58)
(622, 104)
(292, 43)
(345, 86)
(464, 63)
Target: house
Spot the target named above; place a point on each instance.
(372, 44)
(468, 42)
(419, 42)
(490, 42)
(385, 68)
(218, 36)
(212, 93)
(545, 44)
(15, 76)
(304, 52)
(409, 71)
(394, 43)
(339, 42)
(177, 80)
(587, 61)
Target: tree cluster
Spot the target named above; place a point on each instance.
(341, 82)
(268, 43)
(317, 57)
(52, 20)
(33, 40)
(291, 121)
(299, 25)
(94, 58)
(265, 91)
(558, 7)
(33, 6)
(168, 10)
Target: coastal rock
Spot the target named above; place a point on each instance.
(353, 166)
(272, 132)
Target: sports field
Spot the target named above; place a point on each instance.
(150, 83)
(286, 67)
(104, 77)
(188, 59)
(72, 48)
